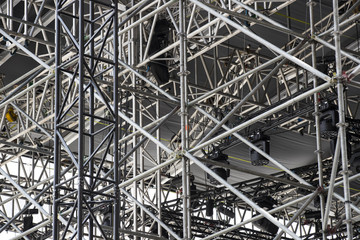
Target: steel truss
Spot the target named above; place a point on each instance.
(97, 144)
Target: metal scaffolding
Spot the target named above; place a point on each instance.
(151, 119)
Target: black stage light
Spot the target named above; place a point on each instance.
(31, 211)
(108, 217)
(328, 120)
(264, 224)
(263, 142)
(28, 223)
(317, 202)
(217, 155)
(348, 145)
(164, 233)
(267, 226)
(312, 215)
(194, 202)
(177, 181)
(226, 211)
(210, 207)
(159, 41)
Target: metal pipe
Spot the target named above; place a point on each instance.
(246, 98)
(116, 170)
(148, 81)
(298, 212)
(331, 183)
(342, 123)
(262, 116)
(276, 163)
(318, 150)
(184, 121)
(266, 214)
(151, 214)
(264, 42)
(24, 193)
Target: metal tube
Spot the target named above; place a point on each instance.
(240, 195)
(342, 123)
(150, 214)
(184, 121)
(298, 212)
(116, 216)
(318, 151)
(262, 41)
(246, 98)
(331, 183)
(276, 163)
(262, 116)
(57, 144)
(81, 120)
(148, 81)
(24, 193)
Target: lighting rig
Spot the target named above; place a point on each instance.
(263, 142)
(217, 155)
(267, 203)
(159, 68)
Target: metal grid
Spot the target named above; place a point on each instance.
(97, 144)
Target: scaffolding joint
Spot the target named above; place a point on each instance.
(183, 73)
(336, 33)
(344, 79)
(320, 189)
(317, 113)
(178, 154)
(318, 151)
(342, 124)
(345, 172)
(350, 221)
(311, 3)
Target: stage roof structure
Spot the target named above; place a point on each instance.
(179, 119)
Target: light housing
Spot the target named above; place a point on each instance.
(263, 142)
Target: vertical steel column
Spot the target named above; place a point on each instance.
(318, 151)
(342, 123)
(92, 112)
(116, 95)
(81, 118)
(134, 113)
(57, 155)
(184, 121)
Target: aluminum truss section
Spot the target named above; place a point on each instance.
(79, 175)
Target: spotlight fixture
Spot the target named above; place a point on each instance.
(328, 120)
(263, 142)
(11, 115)
(217, 155)
(108, 217)
(210, 207)
(159, 41)
(177, 181)
(348, 144)
(28, 222)
(194, 202)
(164, 233)
(226, 211)
(312, 215)
(264, 224)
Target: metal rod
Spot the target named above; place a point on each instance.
(262, 116)
(342, 123)
(298, 212)
(241, 196)
(316, 113)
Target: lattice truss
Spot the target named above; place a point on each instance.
(123, 119)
